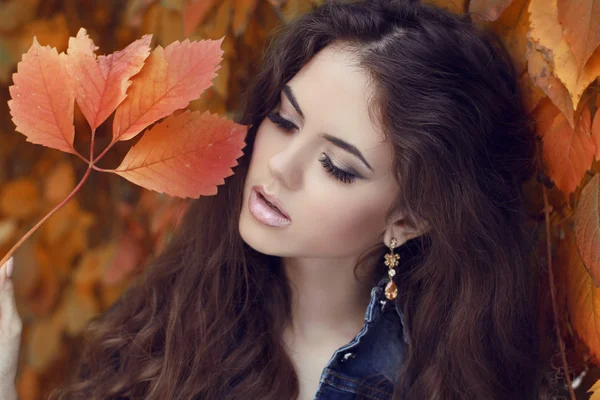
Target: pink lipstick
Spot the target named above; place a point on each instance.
(266, 212)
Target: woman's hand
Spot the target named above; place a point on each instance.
(10, 331)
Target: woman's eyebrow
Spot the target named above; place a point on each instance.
(332, 139)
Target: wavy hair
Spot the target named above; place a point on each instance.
(203, 321)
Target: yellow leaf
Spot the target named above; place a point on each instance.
(511, 28)
(581, 25)
(596, 391)
(541, 74)
(547, 32)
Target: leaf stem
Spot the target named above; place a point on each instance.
(62, 203)
(561, 343)
(14, 248)
(101, 154)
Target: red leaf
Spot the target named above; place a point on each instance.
(170, 79)
(103, 82)
(42, 99)
(191, 162)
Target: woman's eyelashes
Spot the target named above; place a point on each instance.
(276, 118)
(339, 174)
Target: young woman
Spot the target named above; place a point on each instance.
(387, 144)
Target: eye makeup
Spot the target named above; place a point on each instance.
(337, 173)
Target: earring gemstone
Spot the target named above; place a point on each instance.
(391, 291)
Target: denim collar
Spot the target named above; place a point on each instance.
(377, 350)
(378, 299)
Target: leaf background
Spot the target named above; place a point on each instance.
(80, 261)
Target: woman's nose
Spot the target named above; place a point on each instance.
(287, 165)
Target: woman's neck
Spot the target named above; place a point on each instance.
(327, 300)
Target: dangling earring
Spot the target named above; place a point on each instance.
(391, 260)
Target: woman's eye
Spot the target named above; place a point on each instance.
(340, 175)
(288, 126)
(283, 123)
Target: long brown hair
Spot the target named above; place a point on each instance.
(204, 319)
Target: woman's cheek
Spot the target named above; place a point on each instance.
(341, 224)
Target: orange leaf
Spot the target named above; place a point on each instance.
(488, 10)
(170, 79)
(42, 99)
(191, 162)
(596, 132)
(547, 33)
(540, 71)
(581, 28)
(587, 222)
(103, 82)
(567, 152)
(511, 27)
(583, 299)
(193, 13)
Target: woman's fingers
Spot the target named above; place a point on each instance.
(10, 330)
(10, 321)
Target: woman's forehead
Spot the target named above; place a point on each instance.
(334, 95)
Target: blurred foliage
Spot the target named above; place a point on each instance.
(76, 265)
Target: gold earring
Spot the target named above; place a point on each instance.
(391, 260)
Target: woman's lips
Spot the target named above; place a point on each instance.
(273, 200)
(261, 210)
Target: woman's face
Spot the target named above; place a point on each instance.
(335, 202)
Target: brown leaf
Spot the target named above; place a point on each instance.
(567, 152)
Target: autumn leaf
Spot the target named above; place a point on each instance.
(194, 12)
(581, 26)
(101, 84)
(188, 164)
(42, 99)
(567, 152)
(539, 63)
(596, 133)
(547, 33)
(187, 155)
(488, 10)
(583, 297)
(170, 79)
(595, 389)
(511, 27)
(586, 227)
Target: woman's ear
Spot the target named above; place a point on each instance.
(402, 229)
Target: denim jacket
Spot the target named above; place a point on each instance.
(366, 367)
(372, 359)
